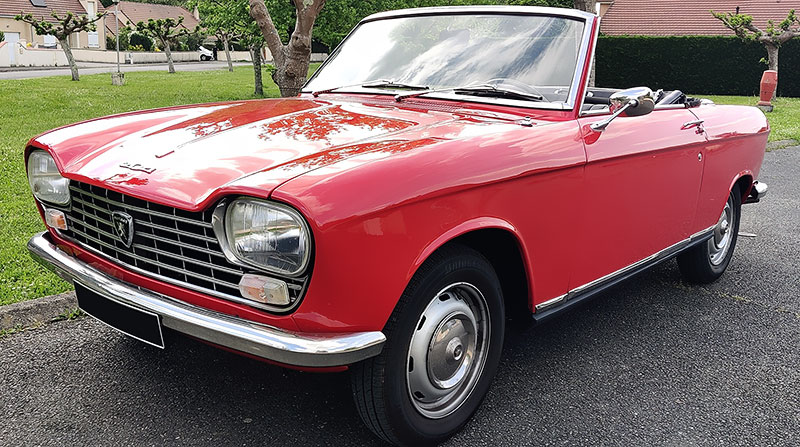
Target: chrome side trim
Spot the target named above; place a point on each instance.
(650, 260)
(291, 348)
(551, 302)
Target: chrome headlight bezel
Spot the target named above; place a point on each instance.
(224, 232)
(53, 172)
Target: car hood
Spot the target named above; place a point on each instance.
(183, 156)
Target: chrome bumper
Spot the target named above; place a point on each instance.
(298, 349)
(757, 192)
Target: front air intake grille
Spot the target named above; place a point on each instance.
(174, 245)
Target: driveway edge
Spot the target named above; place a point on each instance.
(36, 312)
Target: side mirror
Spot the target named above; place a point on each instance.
(637, 101)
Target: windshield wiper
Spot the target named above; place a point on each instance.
(396, 85)
(496, 92)
(377, 83)
(476, 90)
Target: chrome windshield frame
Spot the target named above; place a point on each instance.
(572, 101)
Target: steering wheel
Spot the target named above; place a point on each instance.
(526, 88)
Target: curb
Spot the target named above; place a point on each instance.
(781, 144)
(36, 312)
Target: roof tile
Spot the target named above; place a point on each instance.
(687, 18)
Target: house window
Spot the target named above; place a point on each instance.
(94, 39)
(49, 41)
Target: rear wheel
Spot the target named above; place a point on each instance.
(705, 263)
(443, 346)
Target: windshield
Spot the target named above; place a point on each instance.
(531, 54)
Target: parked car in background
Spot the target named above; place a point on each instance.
(205, 54)
(444, 169)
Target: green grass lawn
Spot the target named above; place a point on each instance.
(29, 107)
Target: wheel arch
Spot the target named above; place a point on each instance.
(743, 181)
(501, 244)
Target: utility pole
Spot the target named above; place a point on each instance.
(117, 78)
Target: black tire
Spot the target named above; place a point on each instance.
(380, 385)
(697, 265)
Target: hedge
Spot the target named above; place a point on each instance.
(711, 65)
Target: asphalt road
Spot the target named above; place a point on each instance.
(87, 68)
(652, 362)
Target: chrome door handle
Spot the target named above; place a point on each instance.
(693, 124)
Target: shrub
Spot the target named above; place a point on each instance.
(708, 65)
(2, 36)
(194, 40)
(141, 40)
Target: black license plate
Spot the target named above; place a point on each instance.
(137, 323)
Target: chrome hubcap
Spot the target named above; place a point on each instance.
(448, 350)
(720, 243)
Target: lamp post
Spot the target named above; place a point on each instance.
(117, 78)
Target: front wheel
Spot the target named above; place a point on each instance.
(705, 263)
(443, 346)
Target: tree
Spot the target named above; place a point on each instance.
(233, 16)
(61, 29)
(292, 59)
(250, 37)
(166, 31)
(220, 18)
(772, 38)
(585, 5)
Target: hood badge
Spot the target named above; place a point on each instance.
(123, 227)
(137, 167)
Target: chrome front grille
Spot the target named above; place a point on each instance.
(174, 245)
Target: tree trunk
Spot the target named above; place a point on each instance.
(291, 76)
(73, 66)
(255, 50)
(585, 5)
(772, 55)
(292, 60)
(227, 52)
(168, 52)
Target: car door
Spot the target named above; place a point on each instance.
(641, 185)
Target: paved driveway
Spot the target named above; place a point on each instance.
(87, 68)
(651, 362)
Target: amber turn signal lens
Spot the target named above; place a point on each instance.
(55, 219)
(264, 289)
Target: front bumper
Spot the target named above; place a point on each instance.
(290, 348)
(757, 192)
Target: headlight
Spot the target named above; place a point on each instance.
(46, 182)
(268, 236)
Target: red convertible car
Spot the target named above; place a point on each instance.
(444, 169)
